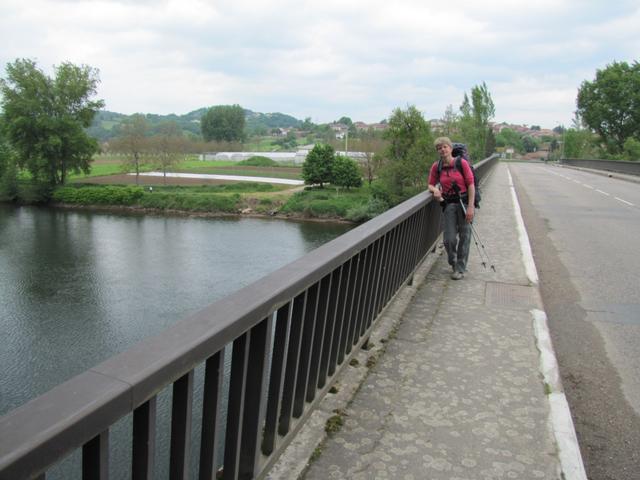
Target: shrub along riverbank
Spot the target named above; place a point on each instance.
(356, 204)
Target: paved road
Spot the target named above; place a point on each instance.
(584, 230)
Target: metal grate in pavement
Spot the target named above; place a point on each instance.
(511, 296)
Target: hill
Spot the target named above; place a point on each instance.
(107, 124)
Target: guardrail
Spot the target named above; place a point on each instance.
(289, 334)
(628, 168)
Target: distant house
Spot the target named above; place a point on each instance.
(340, 129)
(280, 132)
(379, 126)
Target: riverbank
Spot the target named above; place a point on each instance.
(244, 213)
(215, 198)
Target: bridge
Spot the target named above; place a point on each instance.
(252, 369)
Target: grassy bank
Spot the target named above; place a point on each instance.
(106, 187)
(355, 205)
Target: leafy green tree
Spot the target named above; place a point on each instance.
(578, 143)
(510, 138)
(5, 151)
(8, 172)
(223, 123)
(610, 104)
(529, 144)
(318, 166)
(46, 118)
(410, 151)
(475, 115)
(307, 125)
(490, 146)
(133, 142)
(346, 172)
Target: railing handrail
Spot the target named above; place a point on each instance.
(41, 432)
(617, 166)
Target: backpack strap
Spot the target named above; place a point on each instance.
(458, 165)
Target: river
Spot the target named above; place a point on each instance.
(77, 287)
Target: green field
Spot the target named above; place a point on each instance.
(113, 165)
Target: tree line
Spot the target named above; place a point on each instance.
(44, 121)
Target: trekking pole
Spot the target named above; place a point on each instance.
(478, 242)
(473, 230)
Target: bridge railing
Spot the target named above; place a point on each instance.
(628, 168)
(289, 335)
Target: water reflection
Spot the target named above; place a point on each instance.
(78, 287)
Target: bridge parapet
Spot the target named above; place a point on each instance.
(629, 168)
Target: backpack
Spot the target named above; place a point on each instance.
(459, 151)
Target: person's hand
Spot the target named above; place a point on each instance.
(470, 213)
(437, 194)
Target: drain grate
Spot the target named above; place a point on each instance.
(512, 296)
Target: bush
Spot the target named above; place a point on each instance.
(98, 195)
(325, 203)
(367, 211)
(193, 202)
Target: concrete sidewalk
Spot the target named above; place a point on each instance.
(462, 381)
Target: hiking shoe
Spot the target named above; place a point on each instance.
(457, 275)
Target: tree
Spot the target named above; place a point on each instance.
(317, 167)
(223, 123)
(307, 125)
(46, 117)
(530, 144)
(8, 173)
(510, 138)
(474, 120)
(578, 143)
(372, 145)
(410, 150)
(345, 172)
(5, 152)
(168, 144)
(449, 122)
(133, 142)
(610, 104)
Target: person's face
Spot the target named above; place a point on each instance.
(444, 150)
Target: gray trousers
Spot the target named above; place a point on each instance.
(456, 236)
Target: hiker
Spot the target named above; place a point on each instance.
(455, 190)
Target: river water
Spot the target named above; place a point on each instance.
(78, 287)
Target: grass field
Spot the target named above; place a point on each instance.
(113, 165)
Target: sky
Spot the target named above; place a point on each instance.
(327, 59)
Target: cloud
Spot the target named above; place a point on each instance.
(328, 59)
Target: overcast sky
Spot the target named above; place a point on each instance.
(327, 59)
